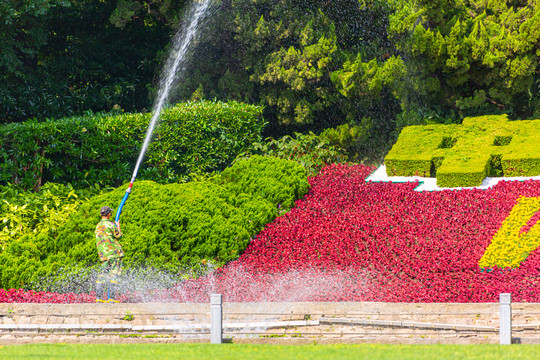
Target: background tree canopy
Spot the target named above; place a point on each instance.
(64, 57)
(469, 57)
(376, 65)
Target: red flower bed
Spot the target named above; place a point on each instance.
(349, 240)
(21, 296)
(378, 242)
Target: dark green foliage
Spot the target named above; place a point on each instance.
(283, 55)
(167, 226)
(150, 11)
(102, 148)
(64, 57)
(468, 58)
(23, 30)
(311, 151)
(354, 139)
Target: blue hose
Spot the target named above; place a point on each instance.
(124, 199)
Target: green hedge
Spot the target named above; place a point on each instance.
(267, 177)
(167, 226)
(523, 156)
(463, 171)
(464, 155)
(408, 157)
(192, 137)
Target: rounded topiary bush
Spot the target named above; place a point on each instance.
(274, 179)
(172, 227)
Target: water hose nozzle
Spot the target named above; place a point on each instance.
(124, 199)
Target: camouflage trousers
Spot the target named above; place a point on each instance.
(110, 271)
(107, 280)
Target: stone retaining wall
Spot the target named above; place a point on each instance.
(275, 323)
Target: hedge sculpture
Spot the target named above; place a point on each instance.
(463, 155)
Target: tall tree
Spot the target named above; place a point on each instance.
(469, 57)
(283, 55)
(23, 32)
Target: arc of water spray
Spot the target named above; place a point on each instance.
(170, 73)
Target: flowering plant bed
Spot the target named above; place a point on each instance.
(352, 240)
(379, 242)
(21, 296)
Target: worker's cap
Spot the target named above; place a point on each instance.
(105, 210)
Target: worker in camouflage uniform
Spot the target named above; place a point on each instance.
(110, 252)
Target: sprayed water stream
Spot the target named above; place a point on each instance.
(171, 73)
(173, 69)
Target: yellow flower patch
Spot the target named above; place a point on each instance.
(516, 238)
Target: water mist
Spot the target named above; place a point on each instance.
(171, 73)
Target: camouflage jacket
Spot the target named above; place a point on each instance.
(107, 236)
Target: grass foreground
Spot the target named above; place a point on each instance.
(281, 352)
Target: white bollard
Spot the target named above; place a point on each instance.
(216, 317)
(505, 329)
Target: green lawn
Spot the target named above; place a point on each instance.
(274, 352)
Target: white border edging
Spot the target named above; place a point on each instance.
(430, 184)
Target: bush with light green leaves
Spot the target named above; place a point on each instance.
(463, 155)
(171, 227)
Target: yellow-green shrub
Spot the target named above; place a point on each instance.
(463, 155)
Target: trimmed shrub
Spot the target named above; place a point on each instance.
(408, 157)
(522, 157)
(463, 170)
(271, 178)
(463, 155)
(192, 137)
(170, 227)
